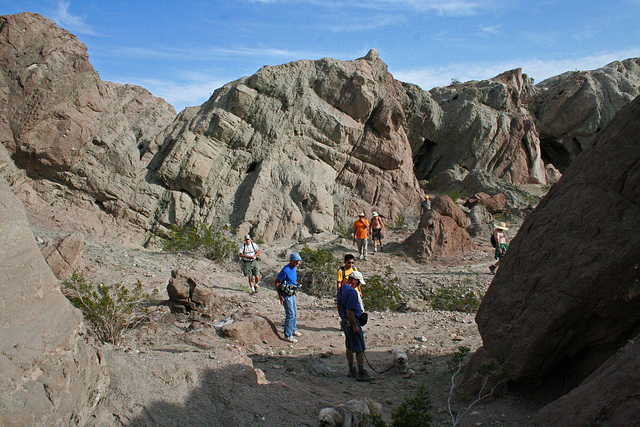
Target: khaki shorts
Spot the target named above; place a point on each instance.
(250, 268)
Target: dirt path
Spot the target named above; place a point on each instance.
(177, 370)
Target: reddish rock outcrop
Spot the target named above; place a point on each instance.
(188, 290)
(439, 233)
(567, 295)
(63, 254)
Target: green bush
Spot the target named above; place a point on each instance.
(343, 227)
(381, 292)
(414, 411)
(210, 241)
(317, 272)
(109, 309)
(455, 298)
(399, 223)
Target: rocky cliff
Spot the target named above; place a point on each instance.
(293, 150)
(572, 107)
(74, 135)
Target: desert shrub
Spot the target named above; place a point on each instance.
(399, 223)
(210, 241)
(414, 411)
(457, 358)
(110, 310)
(455, 298)
(381, 292)
(317, 273)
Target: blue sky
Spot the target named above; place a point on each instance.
(183, 50)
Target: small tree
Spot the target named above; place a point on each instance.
(414, 411)
(109, 309)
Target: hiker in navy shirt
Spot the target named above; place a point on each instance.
(349, 309)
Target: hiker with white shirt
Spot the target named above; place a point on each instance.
(248, 254)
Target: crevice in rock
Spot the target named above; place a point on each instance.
(555, 153)
(423, 161)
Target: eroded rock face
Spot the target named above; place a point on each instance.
(292, 148)
(482, 125)
(70, 130)
(572, 107)
(568, 291)
(49, 375)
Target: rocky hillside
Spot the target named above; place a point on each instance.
(293, 150)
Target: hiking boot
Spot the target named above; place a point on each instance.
(291, 339)
(492, 268)
(297, 334)
(353, 372)
(257, 286)
(364, 376)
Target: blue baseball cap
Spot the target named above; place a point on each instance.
(295, 257)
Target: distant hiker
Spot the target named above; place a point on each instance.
(345, 271)
(286, 285)
(426, 203)
(501, 244)
(377, 228)
(349, 309)
(360, 228)
(249, 253)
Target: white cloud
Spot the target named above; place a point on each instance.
(69, 22)
(193, 89)
(430, 77)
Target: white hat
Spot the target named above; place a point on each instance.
(361, 214)
(247, 237)
(501, 226)
(357, 275)
(374, 213)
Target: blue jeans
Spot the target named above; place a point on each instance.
(291, 314)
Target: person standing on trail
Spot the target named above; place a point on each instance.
(248, 254)
(360, 228)
(377, 227)
(345, 271)
(500, 243)
(286, 285)
(350, 310)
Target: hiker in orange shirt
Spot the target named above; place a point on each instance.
(360, 234)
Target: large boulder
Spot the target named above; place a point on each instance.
(567, 294)
(572, 107)
(48, 374)
(440, 233)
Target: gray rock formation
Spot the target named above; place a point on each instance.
(572, 107)
(292, 148)
(567, 295)
(49, 375)
(477, 125)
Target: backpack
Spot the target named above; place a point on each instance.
(344, 278)
(493, 240)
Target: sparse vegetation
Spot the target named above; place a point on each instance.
(455, 81)
(456, 193)
(458, 297)
(414, 411)
(210, 241)
(492, 371)
(110, 310)
(381, 292)
(399, 223)
(317, 273)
